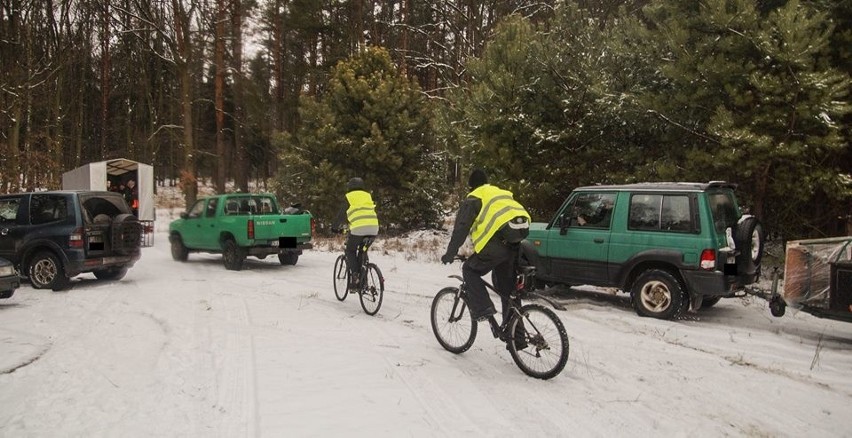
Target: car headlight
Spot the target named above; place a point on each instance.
(6, 271)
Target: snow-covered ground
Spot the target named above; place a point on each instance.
(191, 349)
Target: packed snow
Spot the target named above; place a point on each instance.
(191, 349)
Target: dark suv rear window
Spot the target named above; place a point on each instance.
(653, 212)
(48, 208)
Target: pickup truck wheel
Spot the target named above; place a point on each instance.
(46, 272)
(233, 256)
(114, 274)
(179, 251)
(658, 294)
(288, 258)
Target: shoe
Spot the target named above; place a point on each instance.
(354, 281)
(520, 340)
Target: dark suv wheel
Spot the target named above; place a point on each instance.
(658, 294)
(46, 272)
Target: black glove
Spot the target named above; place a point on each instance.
(447, 258)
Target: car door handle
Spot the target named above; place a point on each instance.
(599, 240)
(283, 220)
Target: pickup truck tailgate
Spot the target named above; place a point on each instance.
(269, 227)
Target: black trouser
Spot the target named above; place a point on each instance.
(352, 244)
(498, 258)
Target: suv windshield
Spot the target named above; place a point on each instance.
(723, 209)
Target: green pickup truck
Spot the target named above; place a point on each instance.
(239, 225)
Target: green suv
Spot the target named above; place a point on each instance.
(670, 245)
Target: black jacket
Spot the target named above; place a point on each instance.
(468, 211)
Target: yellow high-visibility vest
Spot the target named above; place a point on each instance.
(362, 210)
(498, 208)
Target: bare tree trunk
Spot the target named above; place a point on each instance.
(219, 92)
(105, 75)
(240, 156)
(188, 177)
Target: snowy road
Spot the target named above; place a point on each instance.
(190, 349)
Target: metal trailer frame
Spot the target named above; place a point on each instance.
(819, 298)
(94, 176)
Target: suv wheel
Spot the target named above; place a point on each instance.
(115, 274)
(46, 272)
(233, 256)
(658, 294)
(709, 301)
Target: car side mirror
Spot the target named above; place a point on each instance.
(184, 215)
(563, 223)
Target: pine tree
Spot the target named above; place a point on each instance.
(373, 123)
(744, 97)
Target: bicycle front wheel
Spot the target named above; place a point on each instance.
(373, 291)
(341, 278)
(451, 321)
(538, 342)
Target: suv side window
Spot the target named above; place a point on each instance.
(48, 208)
(9, 209)
(660, 213)
(197, 209)
(211, 207)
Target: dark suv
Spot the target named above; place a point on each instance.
(54, 236)
(670, 245)
(8, 279)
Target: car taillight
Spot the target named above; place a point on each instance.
(250, 230)
(708, 259)
(75, 239)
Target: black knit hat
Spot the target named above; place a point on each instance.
(477, 178)
(355, 184)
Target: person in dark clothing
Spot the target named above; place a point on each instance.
(131, 195)
(496, 224)
(359, 212)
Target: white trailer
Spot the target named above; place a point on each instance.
(99, 175)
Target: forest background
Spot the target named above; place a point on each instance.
(410, 95)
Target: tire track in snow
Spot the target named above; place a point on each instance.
(236, 381)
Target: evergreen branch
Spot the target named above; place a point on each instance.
(691, 131)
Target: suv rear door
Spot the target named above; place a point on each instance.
(578, 252)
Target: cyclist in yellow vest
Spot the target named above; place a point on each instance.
(497, 224)
(359, 211)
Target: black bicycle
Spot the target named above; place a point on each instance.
(370, 284)
(534, 335)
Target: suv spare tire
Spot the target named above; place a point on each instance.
(750, 240)
(126, 234)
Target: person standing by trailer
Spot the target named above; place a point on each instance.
(131, 196)
(359, 211)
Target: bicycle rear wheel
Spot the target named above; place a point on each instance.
(341, 278)
(538, 342)
(454, 329)
(373, 291)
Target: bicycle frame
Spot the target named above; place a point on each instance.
(524, 277)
